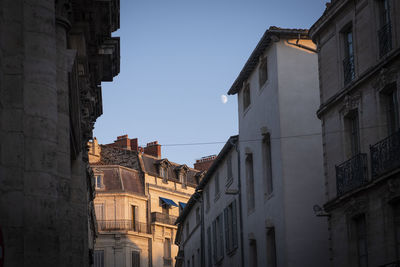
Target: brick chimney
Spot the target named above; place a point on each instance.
(153, 149)
(134, 144)
(204, 163)
(122, 142)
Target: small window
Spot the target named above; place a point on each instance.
(250, 182)
(246, 97)
(361, 239)
(230, 218)
(187, 230)
(266, 151)
(352, 133)
(182, 179)
(209, 248)
(207, 199)
(263, 72)
(167, 252)
(391, 109)
(218, 239)
(271, 247)
(135, 259)
(253, 253)
(163, 174)
(348, 61)
(98, 182)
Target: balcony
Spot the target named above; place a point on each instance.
(385, 39)
(392, 264)
(351, 174)
(163, 218)
(385, 155)
(348, 69)
(123, 225)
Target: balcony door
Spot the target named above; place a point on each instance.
(134, 218)
(352, 130)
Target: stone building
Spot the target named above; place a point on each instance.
(53, 57)
(139, 195)
(359, 70)
(280, 152)
(209, 226)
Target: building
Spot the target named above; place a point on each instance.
(139, 195)
(359, 69)
(208, 228)
(54, 56)
(281, 167)
(204, 163)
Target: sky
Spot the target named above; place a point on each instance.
(178, 59)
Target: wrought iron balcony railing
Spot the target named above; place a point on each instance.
(385, 39)
(385, 155)
(163, 218)
(351, 174)
(348, 69)
(123, 225)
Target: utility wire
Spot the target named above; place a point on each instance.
(272, 138)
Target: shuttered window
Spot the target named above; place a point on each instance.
(209, 249)
(135, 259)
(99, 258)
(231, 240)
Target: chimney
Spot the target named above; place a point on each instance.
(153, 149)
(134, 144)
(94, 151)
(122, 142)
(204, 163)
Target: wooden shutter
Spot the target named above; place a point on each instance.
(226, 220)
(135, 259)
(234, 225)
(214, 229)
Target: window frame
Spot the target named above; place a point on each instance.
(246, 95)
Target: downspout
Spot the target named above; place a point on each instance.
(301, 46)
(240, 204)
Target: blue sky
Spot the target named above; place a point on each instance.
(177, 58)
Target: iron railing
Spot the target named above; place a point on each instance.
(385, 39)
(163, 218)
(348, 69)
(351, 174)
(385, 155)
(123, 225)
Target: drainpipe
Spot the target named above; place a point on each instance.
(240, 204)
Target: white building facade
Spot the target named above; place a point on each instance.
(281, 166)
(209, 226)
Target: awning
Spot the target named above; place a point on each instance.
(168, 201)
(183, 205)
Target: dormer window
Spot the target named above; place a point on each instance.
(98, 182)
(182, 179)
(163, 173)
(181, 172)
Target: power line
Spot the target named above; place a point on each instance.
(272, 138)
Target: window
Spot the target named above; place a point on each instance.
(187, 230)
(193, 262)
(250, 182)
(209, 249)
(135, 259)
(182, 179)
(229, 177)
(391, 109)
(231, 240)
(99, 210)
(361, 238)
(167, 252)
(134, 217)
(163, 173)
(246, 97)
(348, 61)
(253, 253)
(385, 28)
(198, 215)
(218, 237)
(271, 247)
(216, 183)
(99, 258)
(352, 132)
(266, 147)
(98, 182)
(263, 72)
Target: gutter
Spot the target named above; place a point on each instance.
(300, 45)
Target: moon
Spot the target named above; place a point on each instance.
(224, 99)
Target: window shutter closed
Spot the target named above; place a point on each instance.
(135, 259)
(226, 229)
(214, 229)
(234, 225)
